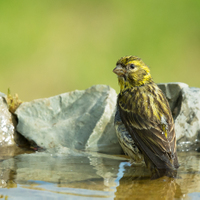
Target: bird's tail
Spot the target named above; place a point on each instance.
(166, 169)
(157, 173)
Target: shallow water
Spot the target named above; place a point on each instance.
(91, 176)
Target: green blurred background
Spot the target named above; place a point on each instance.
(50, 47)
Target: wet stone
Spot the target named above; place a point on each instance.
(6, 125)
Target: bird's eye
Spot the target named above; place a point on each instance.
(132, 66)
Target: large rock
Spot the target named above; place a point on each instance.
(83, 120)
(80, 120)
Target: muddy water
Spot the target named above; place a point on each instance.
(91, 176)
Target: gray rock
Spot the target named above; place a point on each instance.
(172, 92)
(185, 106)
(81, 120)
(187, 124)
(6, 125)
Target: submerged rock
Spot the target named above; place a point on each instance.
(80, 120)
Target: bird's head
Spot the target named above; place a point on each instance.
(132, 72)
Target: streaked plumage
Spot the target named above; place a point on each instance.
(143, 120)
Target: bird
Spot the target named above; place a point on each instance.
(143, 119)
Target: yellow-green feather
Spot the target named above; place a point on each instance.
(146, 114)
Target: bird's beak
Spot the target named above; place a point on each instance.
(119, 70)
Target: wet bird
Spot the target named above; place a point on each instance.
(143, 120)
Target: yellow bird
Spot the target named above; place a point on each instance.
(143, 121)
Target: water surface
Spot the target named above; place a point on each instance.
(92, 176)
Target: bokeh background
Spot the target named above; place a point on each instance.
(49, 47)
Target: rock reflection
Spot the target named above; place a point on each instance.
(86, 170)
(106, 167)
(91, 175)
(7, 165)
(189, 172)
(95, 175)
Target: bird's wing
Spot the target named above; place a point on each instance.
(155, 138)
